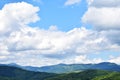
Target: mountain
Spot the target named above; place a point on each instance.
(88, 75)
(30, 68)
(11, 64)
(14, 73)
(63, 68)
(107, 66)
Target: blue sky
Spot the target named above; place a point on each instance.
(61, 15)
(55, 12)
(47, 32)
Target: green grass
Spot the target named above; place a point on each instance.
(85, 75)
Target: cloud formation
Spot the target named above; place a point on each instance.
(15, 16)
(104, 3)
(104, 15)
(71, 2)
(26, 45)
(103, 18)
(20, 42)
(115, 60)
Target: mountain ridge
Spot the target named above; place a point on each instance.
(15, 73)
(63, 68)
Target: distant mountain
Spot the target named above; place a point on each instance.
(30, 68)
(14, 73)
(63, 68)
(11, 64)
(107, 66)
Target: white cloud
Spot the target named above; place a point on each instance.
(15, 15)
(115, 60)
(33, 44)
(77, 40)
(23, 44)
(71, 2)
(113, 36)
(89, 2)
(83, 59)
(19, 12)
(104, 3)
(53, 28)
(103, 14)
(103, 18)
(3, 57)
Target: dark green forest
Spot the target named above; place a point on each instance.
(14, 73)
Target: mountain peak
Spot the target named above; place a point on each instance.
(107, 63)
(62, 64)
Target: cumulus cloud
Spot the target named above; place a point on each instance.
(104, 15)
(50, 42)
(113, 36)
(71, 2)
(14, 16)
(84, 59)
(33, 44)
(23, 44)
(53, 28)
(103, 18)
(89, 1)
(104, 3)
(115, 60)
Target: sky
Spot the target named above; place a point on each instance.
(49, 32)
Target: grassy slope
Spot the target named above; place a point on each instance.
(110, 76)
(85, 75)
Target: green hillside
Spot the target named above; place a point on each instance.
(110, 76)
(13, 73)
(88, 75)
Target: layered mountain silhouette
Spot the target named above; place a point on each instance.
(14, 73)
(66, 68)
(63, 68)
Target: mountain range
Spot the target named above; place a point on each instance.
(15, 73)
(66, 68)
